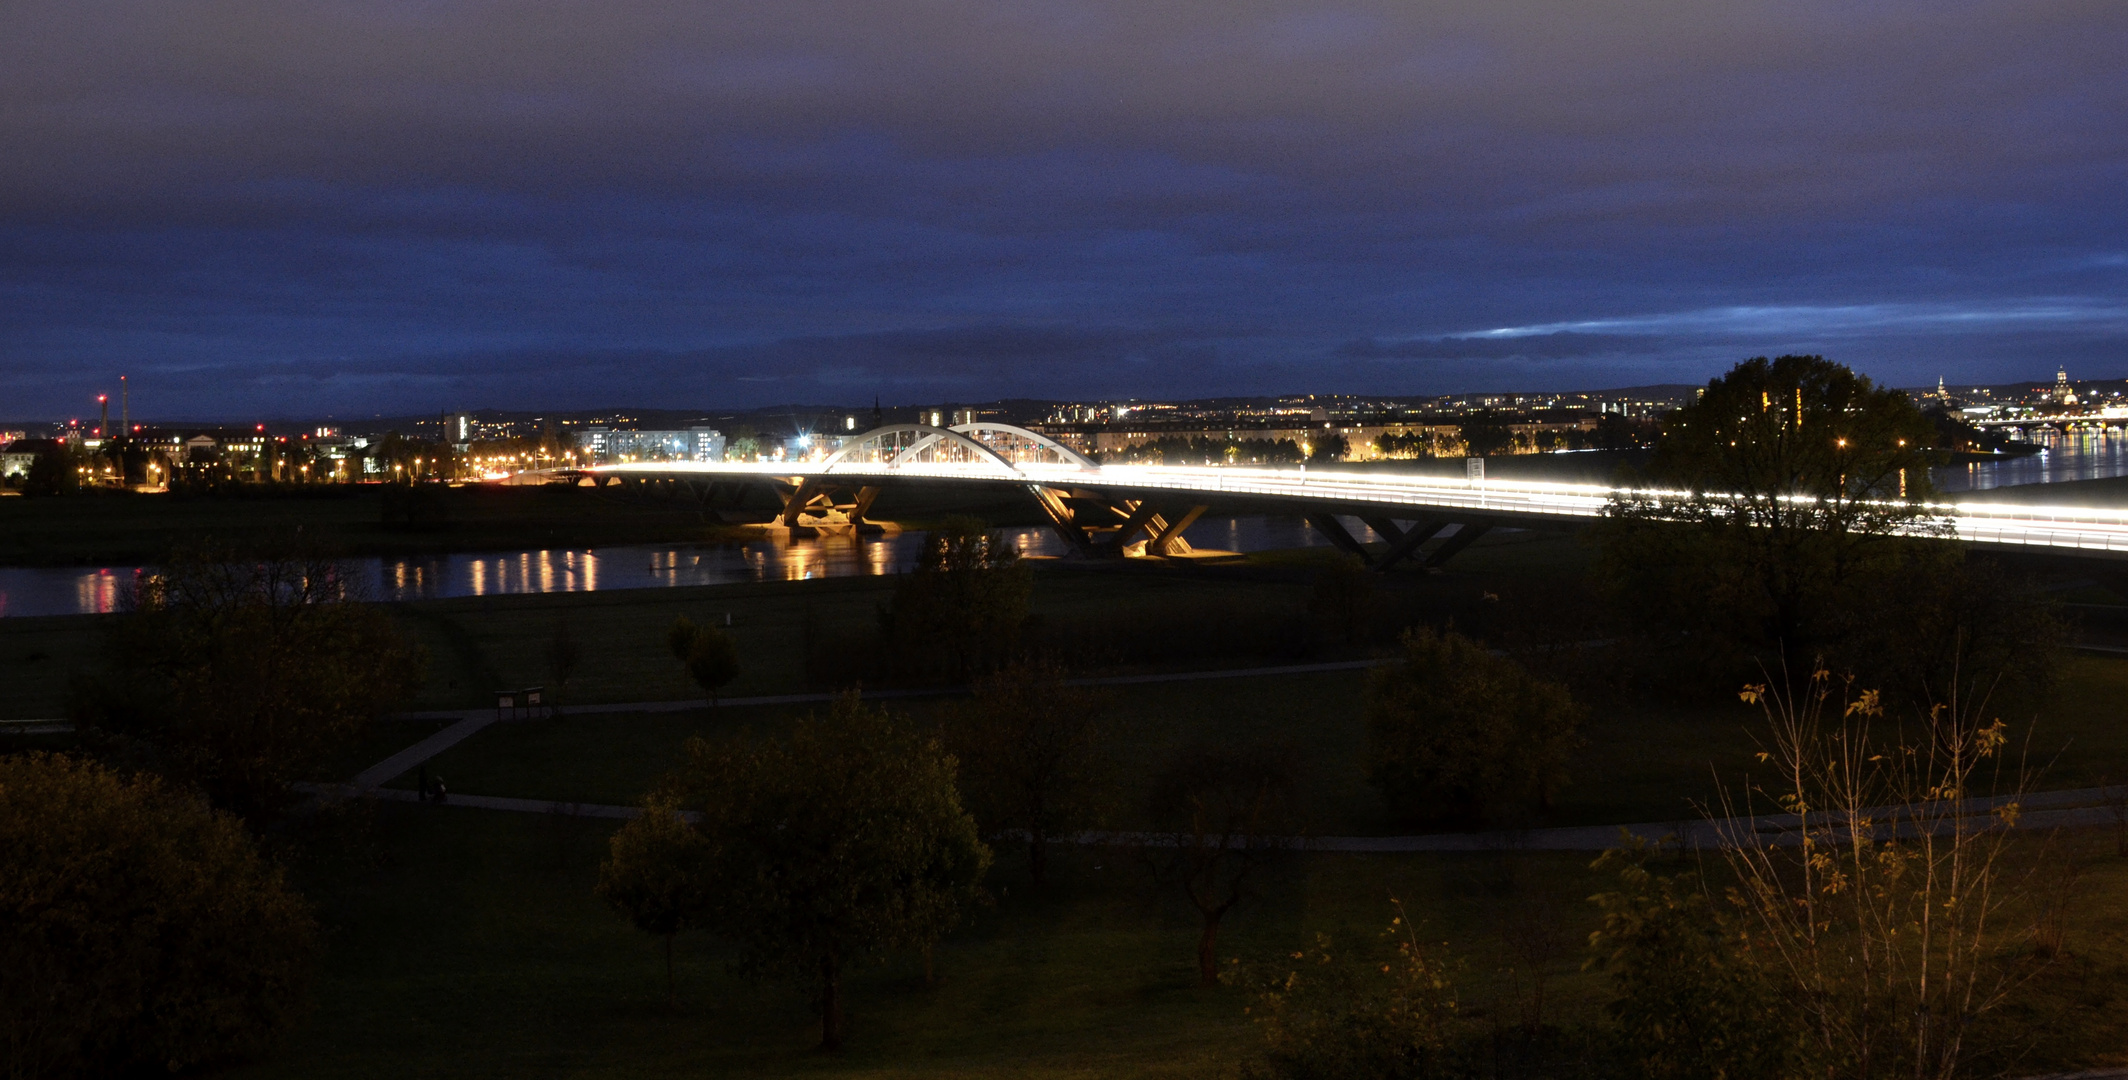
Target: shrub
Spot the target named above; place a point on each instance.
(1456, 733)
(138, 928)
(1694, 1001)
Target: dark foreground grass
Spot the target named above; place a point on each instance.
(475, 948)
(39, 656)
(479, 950)
(133, 528)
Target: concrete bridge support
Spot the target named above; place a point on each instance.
(1098, 525)
(1405, 541)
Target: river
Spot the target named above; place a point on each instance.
(88, 591)
(2083, 455)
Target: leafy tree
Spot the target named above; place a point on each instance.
(1616, 431)
(843, 841)
(54, 472)
(1485, 433)
(1328, 447)
(1222, 814)
(656, 874)
(243, 673)
(968, 592)
(139, 930)
(1030, 753)
(710, 655)
(1771, 505)
(1456, 733)
(1695, 998)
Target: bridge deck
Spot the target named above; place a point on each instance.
(2090, 531)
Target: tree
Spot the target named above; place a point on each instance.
(564, 656)
(1328, 448)
(843, 841)
(1222, 815)
(710, 655)
(243, 673)
(1769, 506)
(656, 874)
(1485, 433)
(139, 930)
(1456, 733)
(54, 472)
(1030, 755)
(968, 592)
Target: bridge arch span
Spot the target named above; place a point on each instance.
(909, 444)
(1041, 443)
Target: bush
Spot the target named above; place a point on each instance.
(138, 928)
(1693, 1001)
(1455, 733)
(710, 654)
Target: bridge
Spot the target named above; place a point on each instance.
(1143, 510)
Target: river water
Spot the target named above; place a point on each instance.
(85, 591)
(82, 591)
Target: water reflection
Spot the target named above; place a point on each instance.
(54, 591)
(24, 591)
(2072, 455)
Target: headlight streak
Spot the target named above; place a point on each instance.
(2009, 524)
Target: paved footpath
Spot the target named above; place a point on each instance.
(2040, 810)
(936, 691)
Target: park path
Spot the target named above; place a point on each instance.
(2044, 810)
(2073, 808)
(933, 691)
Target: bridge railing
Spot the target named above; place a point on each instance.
(2058, 526)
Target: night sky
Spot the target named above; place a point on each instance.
(291, 208)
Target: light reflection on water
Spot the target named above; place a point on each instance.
(2082, 455)
(2074, 455)
(72, 591)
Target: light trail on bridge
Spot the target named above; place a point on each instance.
(2085, 530)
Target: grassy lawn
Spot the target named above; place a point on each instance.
(1640, 763)
(479, 950)
(38, 656)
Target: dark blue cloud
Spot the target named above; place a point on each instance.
(306, 208)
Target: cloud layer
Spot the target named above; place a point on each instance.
(292, 208)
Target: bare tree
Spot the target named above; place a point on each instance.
(1224, 814)
(1030, 755)
(1880, 891)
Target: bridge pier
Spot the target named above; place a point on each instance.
(821, 504)
(1097, 525)
(1405, 541)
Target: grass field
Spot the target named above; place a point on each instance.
(480, 951)
(467, 943)
(128, 528)
(475, 948)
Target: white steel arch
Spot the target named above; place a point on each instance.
(924, 442)
(1065, 454)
